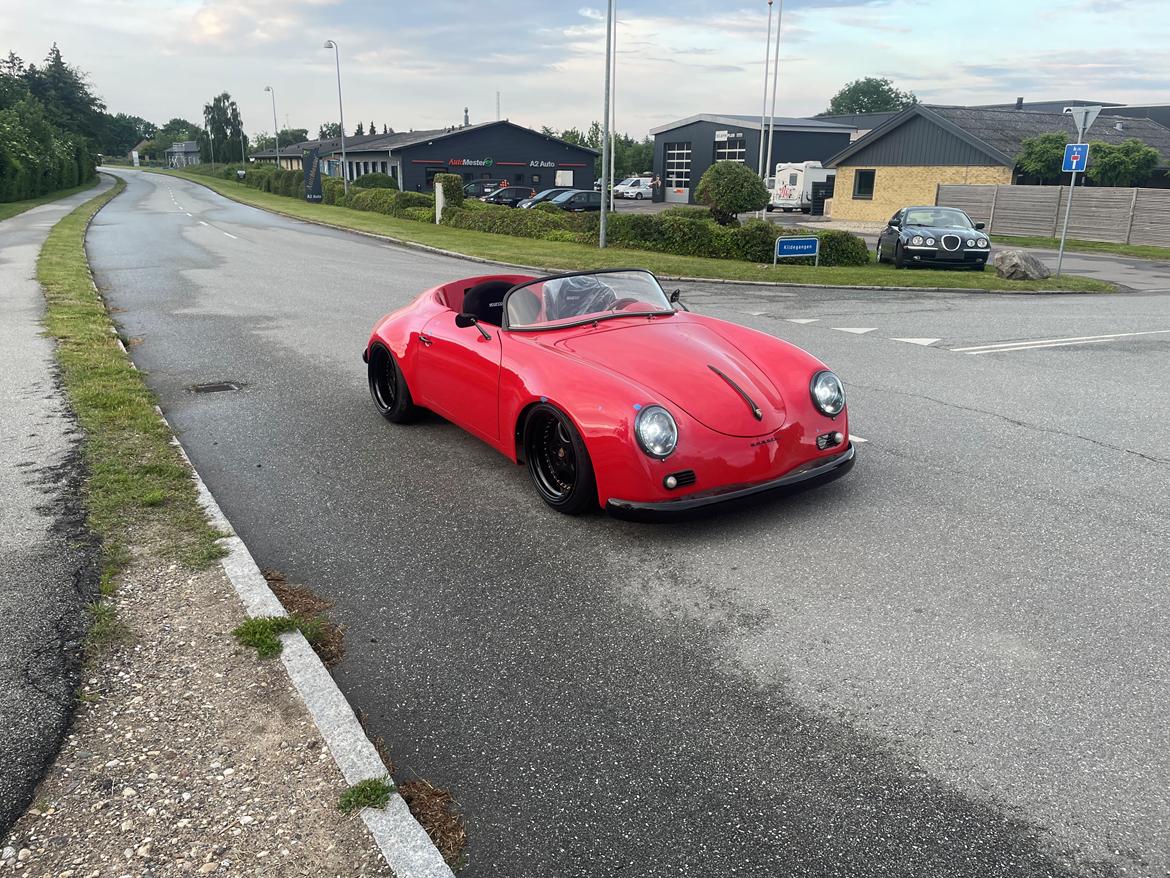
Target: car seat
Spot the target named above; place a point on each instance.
(485, 301)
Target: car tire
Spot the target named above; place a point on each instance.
(877, 250)
(637, 196)
(388, 387)
(899, 256)
(769, 208)
(558, 461)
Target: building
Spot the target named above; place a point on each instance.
(683, 150)
(861, 123)
(291, 153)
(182, 154)
(488, 150)
(904, 160)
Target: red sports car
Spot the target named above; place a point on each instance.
(611, 391)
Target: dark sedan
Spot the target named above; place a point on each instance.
(509, 195)
(542, 196)
(577, 199)
(944, 237)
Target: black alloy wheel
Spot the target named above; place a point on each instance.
(878, 252)
(388, 387)
(558, 461)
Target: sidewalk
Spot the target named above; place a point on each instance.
(47, 560)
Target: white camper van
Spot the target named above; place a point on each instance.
(792, 185)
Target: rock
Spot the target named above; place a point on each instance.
(23, 856)
(129, 793)
(1018, 265)
(9, 853)
(208, 868)
(143, 852)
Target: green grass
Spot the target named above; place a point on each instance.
(138, 488)
(262, 633)
(371, 793)
(1140, 251)
(560, 255)
(12, 208)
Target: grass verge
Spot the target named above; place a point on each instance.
(12, 208)
(1139, 251)
(373, 792)
(262, 633)
(138, 488)
(562, 255)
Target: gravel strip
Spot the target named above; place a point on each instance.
(189, 756)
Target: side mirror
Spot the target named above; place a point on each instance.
(465, 320)
(675, 296)
(895, 223)
(979, 225)
(676, 303)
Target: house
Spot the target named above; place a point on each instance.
(905, 159)
(182, 154)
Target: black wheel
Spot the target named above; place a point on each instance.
(388, 387)
(769, 208)
(899, 256)
(558, 461)
(878, 253)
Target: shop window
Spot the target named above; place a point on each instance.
(564, 178)
(517, 178)
(535, 179)
(863, 184)
(733, 149)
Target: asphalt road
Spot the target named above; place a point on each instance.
(47, 558)
(954, 661)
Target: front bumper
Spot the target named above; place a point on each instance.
(936, 256)
(818, 471)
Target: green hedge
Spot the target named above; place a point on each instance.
(507, 221)
(452, 189)
(376, 181)
(37, 157)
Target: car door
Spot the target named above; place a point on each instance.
(889, 235)
(458, 374)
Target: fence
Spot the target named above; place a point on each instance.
(1118, 216)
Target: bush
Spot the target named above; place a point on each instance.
(376, 181)
(331, 190)
(565, 236)
(452, 189)
(687, 211)
(416, 199)
(548, 207)
(730, 188)
(520, 223)
(421, 214)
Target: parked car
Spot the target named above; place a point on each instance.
(542, 196)
(509, 195)
(577, 199)
(634, 187)
(521, 363)
(940, 236)
(480, 188)
(791, 186)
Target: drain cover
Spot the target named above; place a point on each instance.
(215, 387)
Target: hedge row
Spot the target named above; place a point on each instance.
(36, 157)
(683, 231)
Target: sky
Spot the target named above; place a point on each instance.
(418, 63)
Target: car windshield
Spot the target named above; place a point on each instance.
(548, 193)
(938, 217)
(579, 298)
(566, 195)
(629, 181)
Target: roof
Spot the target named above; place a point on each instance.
(857, 120)
(324, 145)
(784, 123)
(389, 142)
(1000, 133)
(1046, 106)
(184, 146)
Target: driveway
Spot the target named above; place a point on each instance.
(47, 559)
(952, 662)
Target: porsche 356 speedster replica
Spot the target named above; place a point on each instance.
(612, 392)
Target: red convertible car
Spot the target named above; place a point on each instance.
(612, 392)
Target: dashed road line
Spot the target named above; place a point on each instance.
(802, 320)
(202, 223)
(854, 329)
(1052, 342)
(924, 342)
(230, 235)
(853, 437)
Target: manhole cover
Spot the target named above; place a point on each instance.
(215, 387)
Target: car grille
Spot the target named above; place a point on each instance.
(685, 477)
(951, 242)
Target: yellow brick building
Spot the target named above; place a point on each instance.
(895, 187)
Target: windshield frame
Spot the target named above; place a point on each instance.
(506, 323)
(970, 227)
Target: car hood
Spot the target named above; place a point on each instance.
(937, 232)
(676, 361)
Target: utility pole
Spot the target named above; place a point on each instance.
(775, 79)
(331, 44)
(764, 104)
(613, 119)
(605, 149)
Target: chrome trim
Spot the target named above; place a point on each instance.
(751, 404)
(958, 239)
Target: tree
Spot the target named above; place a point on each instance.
(359, 131)
(869, 95)
(1128, 163)
(121, 133)
(1042, 156)
(288, 136)
(373, 128)
(13, 65)
(328, 130)
(729, 188)
(64, 92)
(225, 128)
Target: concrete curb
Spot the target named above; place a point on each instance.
(403, 843)
(414, 245)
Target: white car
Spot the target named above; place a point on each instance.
(634, 187)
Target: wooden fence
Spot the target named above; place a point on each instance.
(1119, 216)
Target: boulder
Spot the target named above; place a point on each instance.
(1018, 265)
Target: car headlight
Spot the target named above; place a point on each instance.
(982, 242)
(917, 239)
(930, 242)
(970, 242)
(656, 431)
(828, 394)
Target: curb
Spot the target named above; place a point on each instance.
(414, 245)
(403, 843)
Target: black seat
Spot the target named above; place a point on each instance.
(485, 301)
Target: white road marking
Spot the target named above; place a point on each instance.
(230, 235)
(188, 214)
(853, 437)
(202, 223)
(1032, 347)
(802, 320)
(854, 330)
(1039, 341)
(925, 342)
(756, 313)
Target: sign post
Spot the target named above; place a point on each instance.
(1076, 157)
(788, 247)
(311, 162)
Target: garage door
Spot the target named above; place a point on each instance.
(678, 172)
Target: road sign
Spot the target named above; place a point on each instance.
(1076, 156)
(788, 246)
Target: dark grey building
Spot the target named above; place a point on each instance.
(683, 150)
(490, 150)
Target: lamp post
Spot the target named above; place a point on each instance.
(605, 145)
(775, 78)
(332, 44)
(764, 103)
(275, 124)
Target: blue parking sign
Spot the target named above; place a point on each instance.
(1076, 156)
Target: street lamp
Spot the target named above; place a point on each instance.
(764, 104)
(606, 146)
(331, 44)
(275, 125)
(775, 77)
